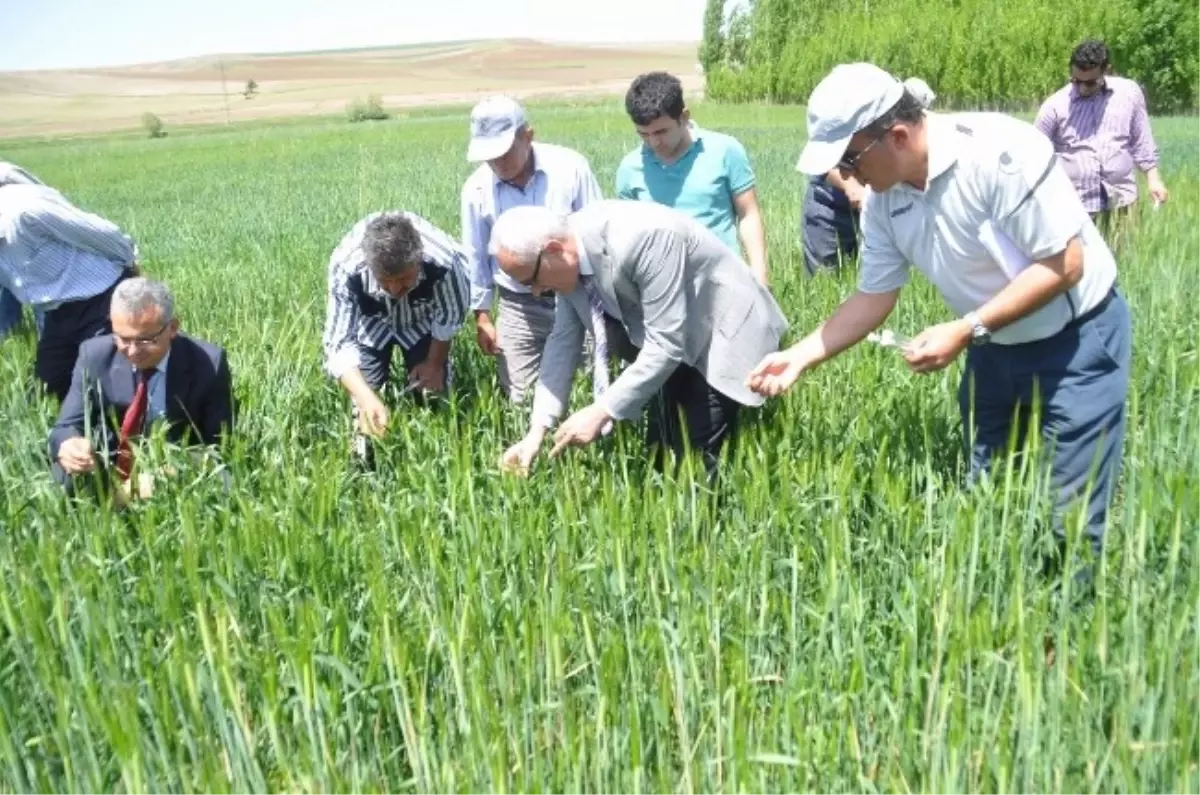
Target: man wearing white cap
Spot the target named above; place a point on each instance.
(832, 204)
(979, 204)
(515, 172)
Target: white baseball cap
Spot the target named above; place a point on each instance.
(921, 90)
(847, 100)
(494, 124)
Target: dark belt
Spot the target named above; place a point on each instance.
(525, 298)
(1095, 310)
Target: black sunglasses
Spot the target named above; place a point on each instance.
(537, 266)
(849, 161)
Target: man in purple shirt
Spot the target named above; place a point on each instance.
(1100, 129)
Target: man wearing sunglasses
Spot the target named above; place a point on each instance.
(832, 204)
(979, 204)
(1100, 129)
(663, 290)
(145, 373)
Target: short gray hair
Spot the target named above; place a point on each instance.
(523, 231)
(391, 244)
(137, 295)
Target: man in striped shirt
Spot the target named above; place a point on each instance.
(10, 307)
(395, 279)
(66, 262)
(1100, 129)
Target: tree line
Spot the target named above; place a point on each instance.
(1005, 54)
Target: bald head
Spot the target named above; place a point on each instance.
(535, 246)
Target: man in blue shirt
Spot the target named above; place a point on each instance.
(514, 170)
(63, 261)
(701, 173)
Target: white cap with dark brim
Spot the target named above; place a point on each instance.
(494, 125)
(847, 100)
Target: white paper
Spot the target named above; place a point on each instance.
(888, 339)
(1003, 250)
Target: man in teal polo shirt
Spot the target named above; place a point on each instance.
(701, 173)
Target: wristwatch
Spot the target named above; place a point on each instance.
(979, 332)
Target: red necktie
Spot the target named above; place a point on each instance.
(131, 423)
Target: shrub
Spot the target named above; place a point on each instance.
(153, 126)
(370, 109)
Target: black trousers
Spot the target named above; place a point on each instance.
(67, 327)
(376, 366)
(685, 414)
(376, 363)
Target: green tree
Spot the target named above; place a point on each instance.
(712, 45)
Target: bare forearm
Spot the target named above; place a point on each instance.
(835, 179)
(1154, 178)
(1034, 287)
(750, 229)
(356, 385)
(857, 317)
(439, 351)
(844, 184)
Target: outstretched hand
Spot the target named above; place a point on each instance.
(775, 374)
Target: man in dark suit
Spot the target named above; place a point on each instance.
(145, 372)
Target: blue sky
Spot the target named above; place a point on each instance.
(48, 34)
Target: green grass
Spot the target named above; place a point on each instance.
(847, 620)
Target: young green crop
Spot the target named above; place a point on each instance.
(845, 617)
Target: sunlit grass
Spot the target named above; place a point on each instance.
(845, 618)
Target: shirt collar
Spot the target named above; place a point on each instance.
(161, 367)
(537, 169)
(1073, 90)
(943, 140)
(697, 134)
(585, 264)
(371, 286)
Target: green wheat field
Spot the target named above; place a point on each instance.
(842, 617)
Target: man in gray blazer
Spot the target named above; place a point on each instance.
(648, 279)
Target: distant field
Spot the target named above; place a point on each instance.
(191, 91)
(847, 621)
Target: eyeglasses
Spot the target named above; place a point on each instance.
(1095, 81)
(537, 266)
(131, 342)
(849, 161)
